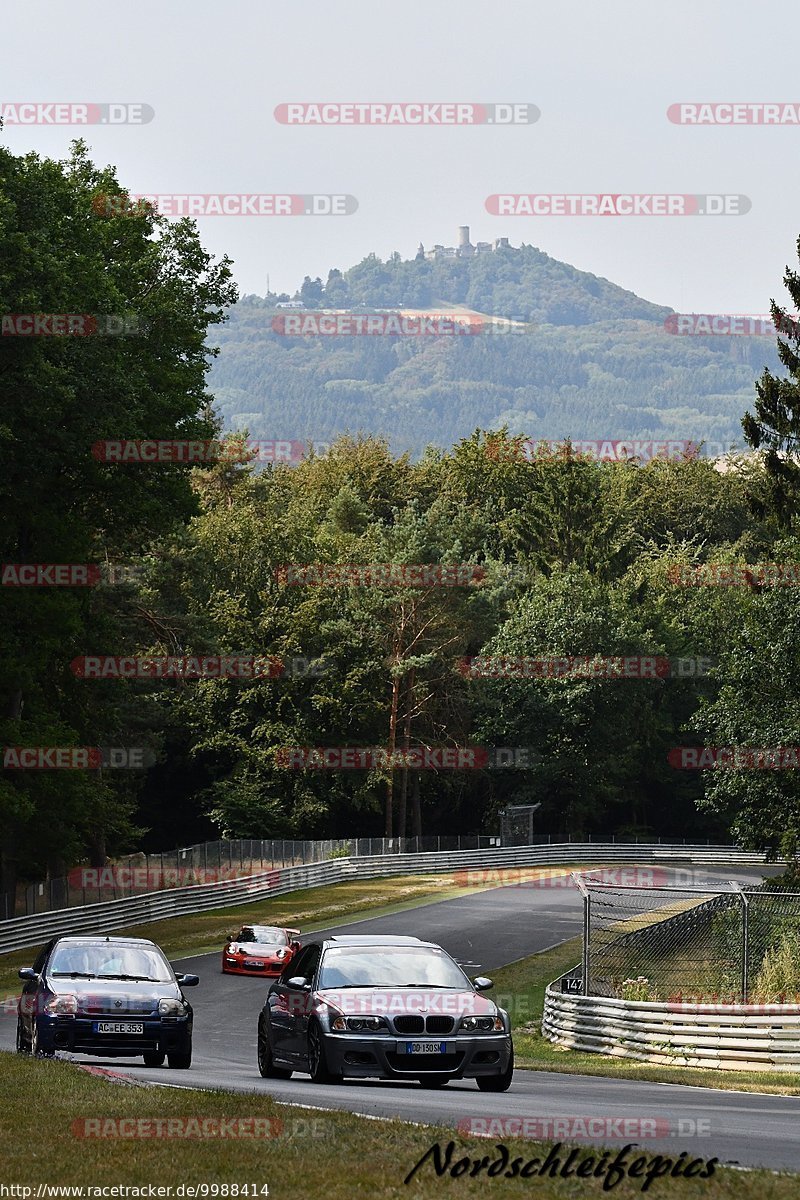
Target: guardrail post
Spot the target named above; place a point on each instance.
(587, 931)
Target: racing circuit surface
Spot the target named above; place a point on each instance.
(483, 930)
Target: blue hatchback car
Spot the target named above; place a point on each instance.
(108, 996)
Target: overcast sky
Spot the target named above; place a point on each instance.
(603, 76)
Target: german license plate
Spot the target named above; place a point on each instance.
(253, 964)
(119, 1027)
(422, 1047)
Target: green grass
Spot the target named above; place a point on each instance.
(315, 1155)
(521, 987)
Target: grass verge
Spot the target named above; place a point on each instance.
(320, 1156)
(522, 987)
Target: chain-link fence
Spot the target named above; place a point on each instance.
(207, 862)
(689, 944)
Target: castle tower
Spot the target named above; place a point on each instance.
(464, 247)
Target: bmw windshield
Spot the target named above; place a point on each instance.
(391, 967)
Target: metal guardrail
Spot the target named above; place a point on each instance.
(20, 932)
(735, 1037)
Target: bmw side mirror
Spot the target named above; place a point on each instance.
(28, 974)
(482, 984)
(298, 983)
(188, 980)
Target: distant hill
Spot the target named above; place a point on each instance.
(594, 360)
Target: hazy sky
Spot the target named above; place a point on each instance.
(603, 76)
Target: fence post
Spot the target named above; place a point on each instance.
(745, 937)
(587, 931)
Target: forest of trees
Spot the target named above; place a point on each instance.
(575, 558)
(592, 361)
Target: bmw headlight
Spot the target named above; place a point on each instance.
(482, 1024)
(171, 1008)
(358, 1024)
(62, 1006)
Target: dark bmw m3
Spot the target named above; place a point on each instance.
(114, 997)
(383, 1007)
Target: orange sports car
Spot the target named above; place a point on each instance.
(259, 950)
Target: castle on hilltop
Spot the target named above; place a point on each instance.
(464, 249)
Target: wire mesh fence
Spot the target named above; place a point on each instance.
(690, 944)
(209, 862)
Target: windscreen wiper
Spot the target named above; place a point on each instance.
(72, 975)
(132, 978)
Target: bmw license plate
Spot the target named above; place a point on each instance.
(422, 1048)
(119, 1027)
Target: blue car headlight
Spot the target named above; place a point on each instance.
(61, 1006)
(172, 1008)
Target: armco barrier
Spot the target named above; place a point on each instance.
(735, 1037)
(32, 930)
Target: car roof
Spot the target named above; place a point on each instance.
(374, 939)
(88, 939)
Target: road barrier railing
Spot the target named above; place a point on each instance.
(733, 1037)
(19, 932)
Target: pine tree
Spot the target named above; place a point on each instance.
(775, 426)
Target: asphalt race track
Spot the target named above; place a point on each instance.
(483, 930)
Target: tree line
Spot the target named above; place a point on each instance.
(569, 559)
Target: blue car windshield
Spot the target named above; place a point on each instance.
(109, 961)
(390, 966)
